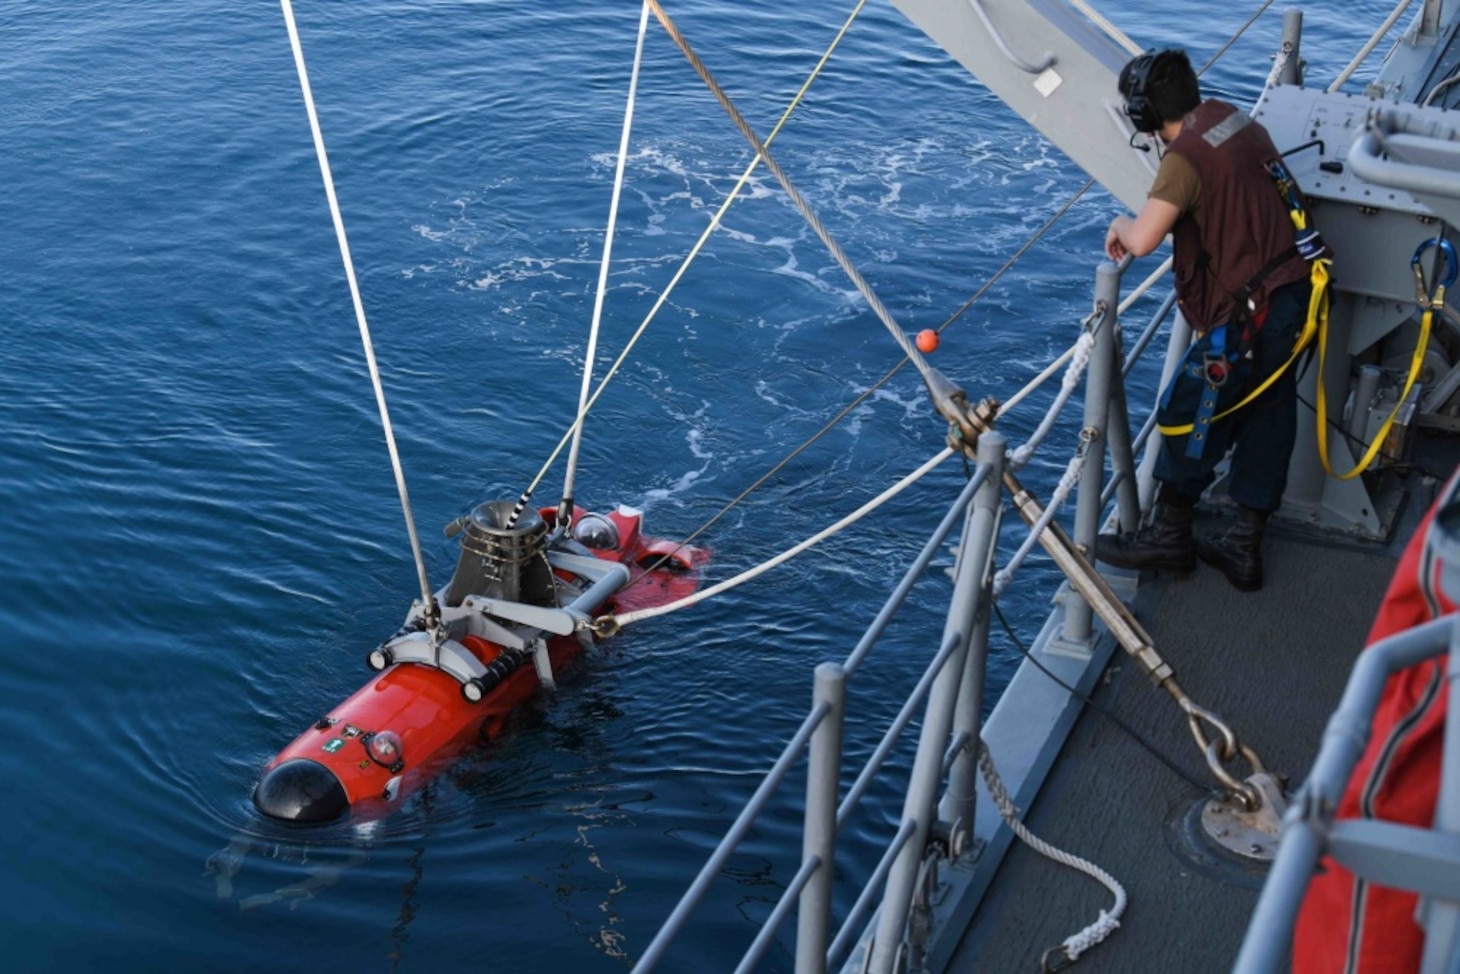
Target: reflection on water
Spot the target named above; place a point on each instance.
(313, 866)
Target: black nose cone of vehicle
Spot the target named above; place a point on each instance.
(299, 790)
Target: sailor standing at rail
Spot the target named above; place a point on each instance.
(1243, 286)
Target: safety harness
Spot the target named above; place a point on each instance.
(1431, 300)
(1217, 362)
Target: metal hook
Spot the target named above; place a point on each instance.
(1195, 714)
(1244, 791)
(1424, 292)
(1062, 961)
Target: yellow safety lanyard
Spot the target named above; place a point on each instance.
(1317, 323)
(1430, 303)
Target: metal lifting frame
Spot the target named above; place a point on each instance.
(516, 626)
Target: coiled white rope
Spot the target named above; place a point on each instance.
(1109, 920)
(765, 566)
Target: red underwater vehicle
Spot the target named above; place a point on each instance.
(520, 606)
(524, 601)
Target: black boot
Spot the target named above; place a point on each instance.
(1165, 544)
(1237, 551)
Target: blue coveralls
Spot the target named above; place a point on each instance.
(1263, 431)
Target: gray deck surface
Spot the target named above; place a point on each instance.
(1110, 801)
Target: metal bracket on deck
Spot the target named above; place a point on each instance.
(1252, 834)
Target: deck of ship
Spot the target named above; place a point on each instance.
(1274, 664)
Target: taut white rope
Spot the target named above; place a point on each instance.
(765, 566)
(329, 190)
(1368, 48)
(1111, 31)
(618, 185)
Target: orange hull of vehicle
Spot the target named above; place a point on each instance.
(424, 707)
(411, 718)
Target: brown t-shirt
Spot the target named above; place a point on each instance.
(1176, 183)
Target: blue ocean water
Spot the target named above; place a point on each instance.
(203, 535)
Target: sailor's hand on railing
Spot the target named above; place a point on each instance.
(1114, 249)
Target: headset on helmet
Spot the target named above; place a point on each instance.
(1138, 106)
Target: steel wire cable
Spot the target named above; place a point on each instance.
(807, 213)
(910, 353)
(1104, 711)
(958, 313)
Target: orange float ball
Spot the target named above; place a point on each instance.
(927, 340)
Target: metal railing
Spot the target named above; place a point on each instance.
(950, 692)
(1389, 854)
(1397, 856)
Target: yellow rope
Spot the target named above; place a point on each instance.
(1317, 324)
(1415, 364)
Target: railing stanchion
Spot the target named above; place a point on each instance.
(1122, 451)
(1100, 379)
(1441, 917)
(1175, 352)
(823, 777)
(960, 800)
(920, 804)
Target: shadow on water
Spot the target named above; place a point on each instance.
(276, 867)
